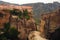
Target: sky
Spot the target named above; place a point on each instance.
(29, 1)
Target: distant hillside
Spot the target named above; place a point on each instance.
(39, 8)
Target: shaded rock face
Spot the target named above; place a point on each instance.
(4, 17)
(50, 22)
(55, 35)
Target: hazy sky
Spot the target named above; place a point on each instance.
(29, 1)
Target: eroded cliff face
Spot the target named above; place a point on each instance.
(4, 17)
(24, 26)
(50, 22)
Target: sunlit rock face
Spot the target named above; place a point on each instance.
(50, 22)
(29, 8)
(35, 35)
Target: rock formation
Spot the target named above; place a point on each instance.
(24, 26)
(4, 17)
(35, 35)
(50, 22)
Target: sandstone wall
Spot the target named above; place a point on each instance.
(23, 27)
(50, 22)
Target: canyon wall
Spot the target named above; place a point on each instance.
(4, 18)
(50, 22)
(24, 26)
